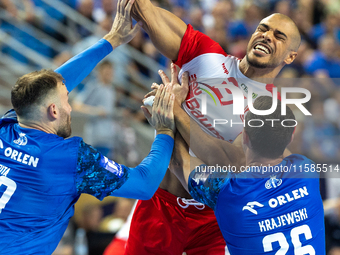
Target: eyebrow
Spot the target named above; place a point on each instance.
(277, 31)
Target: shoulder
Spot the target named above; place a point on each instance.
(299, 166)
(194, 44)
(297, 158)
(9, 117)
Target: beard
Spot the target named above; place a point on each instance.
(64, 130)
(256, 64)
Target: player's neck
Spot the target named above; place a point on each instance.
(264, 75)
(36, 125)
(255, 160)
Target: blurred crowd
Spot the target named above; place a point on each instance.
(229, 22)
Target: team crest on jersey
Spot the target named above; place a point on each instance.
(22, 140)
(273, 182)
(254, 95)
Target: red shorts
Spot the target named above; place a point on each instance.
(116, 247)
(167, 225)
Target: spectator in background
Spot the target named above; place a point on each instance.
(332, 108)
(121, 210)
(283, 7)
(332, 229)
(91, 216)
(119, 59)
(242, 29)
(98, 100)
(196, 18)
(107, 9)
(325, 58)
(318, 136)
(85, 7)
(329, 26)
(10, 7)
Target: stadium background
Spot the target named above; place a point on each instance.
(37, 34)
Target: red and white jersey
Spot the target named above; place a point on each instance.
(208, 65)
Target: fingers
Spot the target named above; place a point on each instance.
(162, 96)
(128, 9)
(134, 31)
(166, 97)
(120, 6)
(147, 114)
(157, 97)
(185, 80)
(174, 74)
(124, 7)
(154, 86)
(151, 93)
(170, 106)
(164, 77)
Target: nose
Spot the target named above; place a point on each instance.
(70, 107)
(268, 35)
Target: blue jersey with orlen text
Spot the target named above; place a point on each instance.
(41, 177)
(266, 213)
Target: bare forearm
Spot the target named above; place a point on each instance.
(182, 163)
(210, 150)
(182, 120)
(165, 29)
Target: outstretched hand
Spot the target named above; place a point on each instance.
(180, 91)
(162, 117)
(122, 31)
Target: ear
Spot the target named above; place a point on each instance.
(291, 139)
(53, 111)
(290, 58)
(245, 138)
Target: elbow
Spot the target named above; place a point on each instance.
(147, 190)
(146, 194)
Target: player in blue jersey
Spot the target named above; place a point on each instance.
(42, 174)
(260, 210)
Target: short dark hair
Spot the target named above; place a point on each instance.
(32, 88)
(271, 139)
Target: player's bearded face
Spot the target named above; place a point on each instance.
(261, 54)
(268, 45)
(65, 126)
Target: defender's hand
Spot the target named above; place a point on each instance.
(122, 31)
(180, 91)
(162, 117)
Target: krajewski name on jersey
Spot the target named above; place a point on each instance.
(282, 220)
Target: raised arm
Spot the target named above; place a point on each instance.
(203, 183)
(209, 149)
(146, 177)
(101, 177)
(182, 163)
(80, 66)
(165, 29)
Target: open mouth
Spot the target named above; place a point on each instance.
(262, 48)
